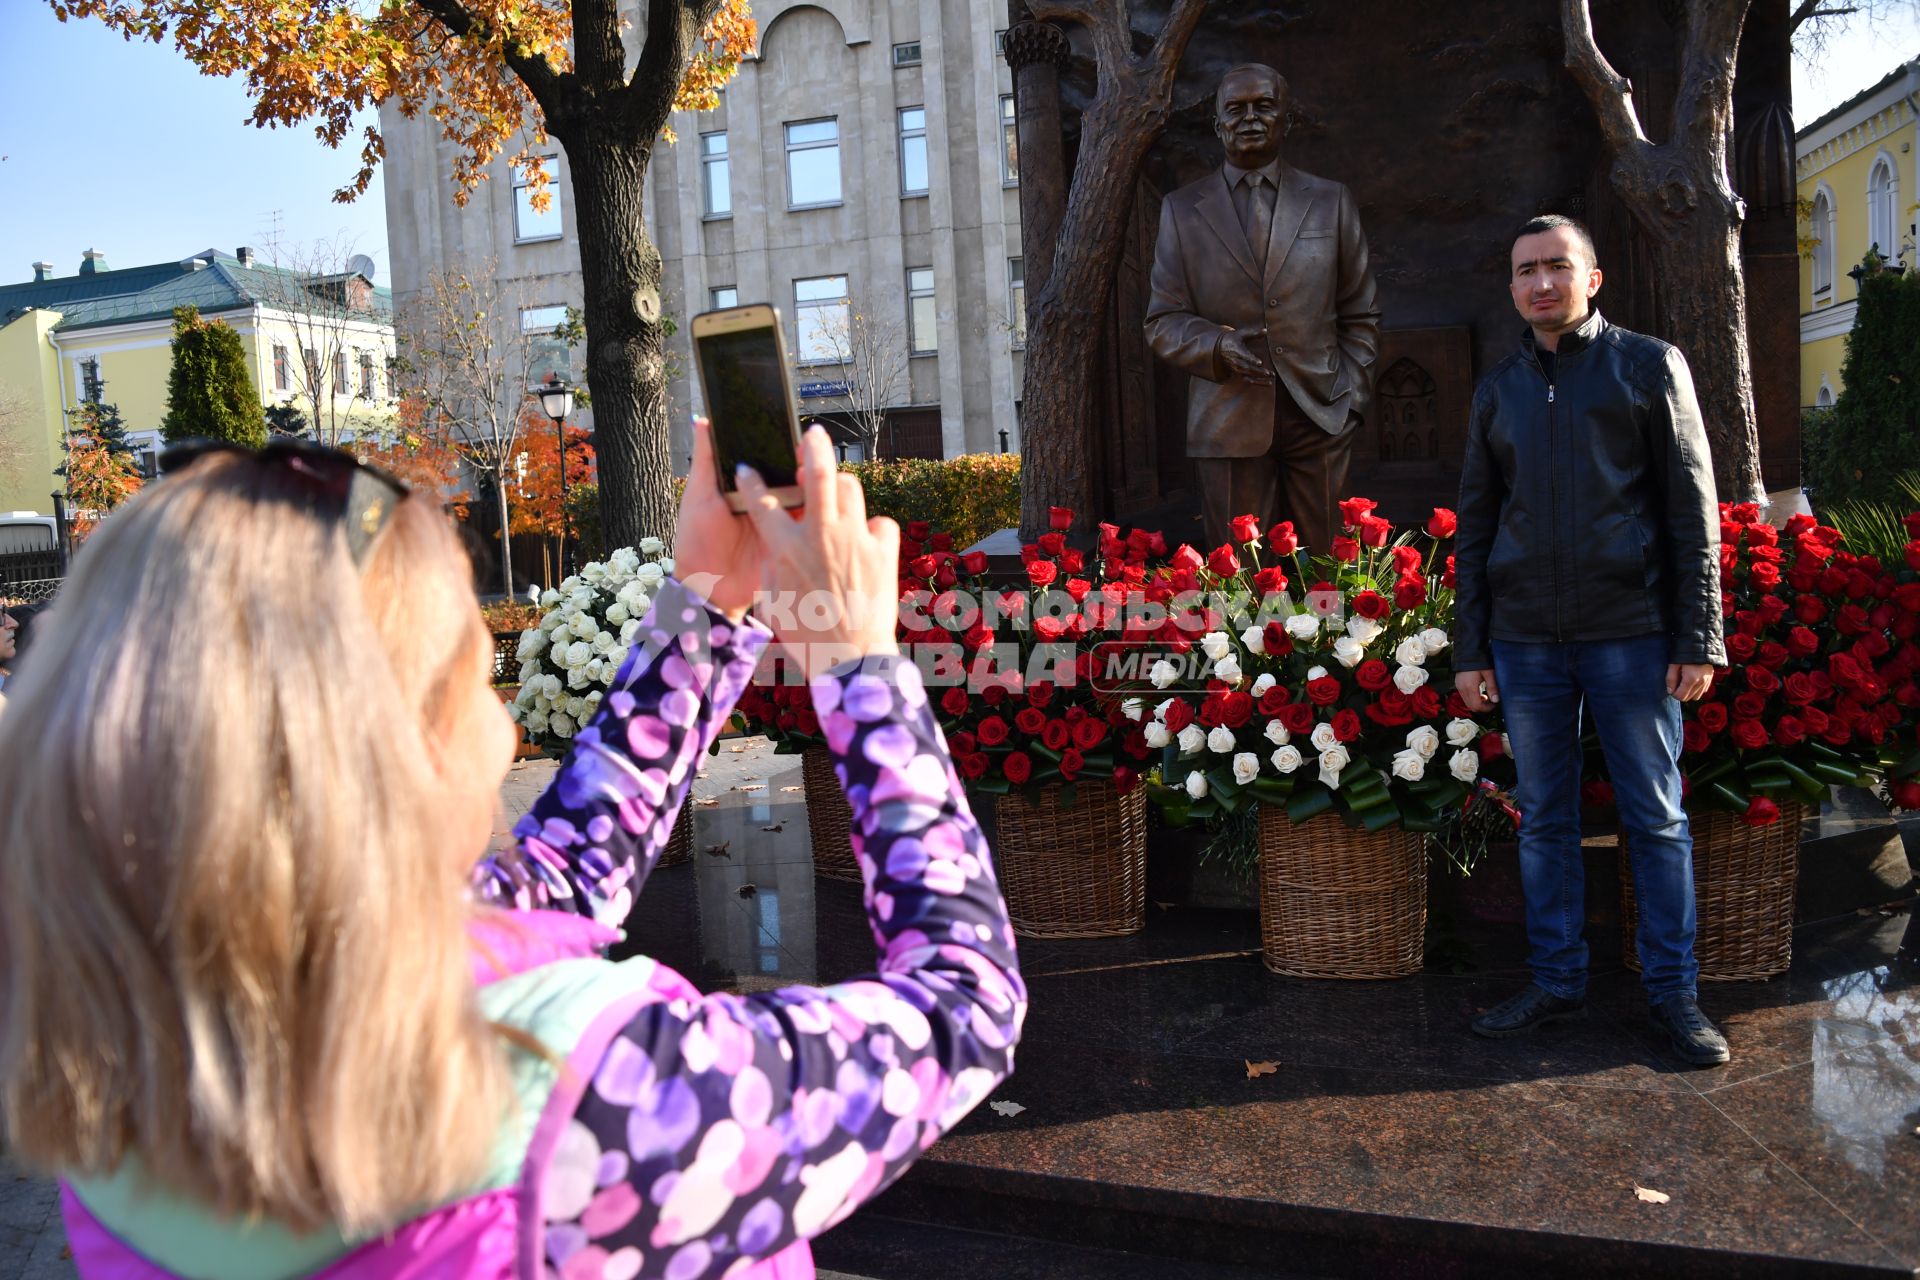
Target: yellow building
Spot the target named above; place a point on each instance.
(1859, 182)
(321, 345)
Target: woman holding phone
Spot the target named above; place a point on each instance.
(267, 1018)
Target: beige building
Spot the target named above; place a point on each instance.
(861, 165)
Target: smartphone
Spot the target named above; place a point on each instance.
(744, 376)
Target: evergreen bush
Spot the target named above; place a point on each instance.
(1873, 437)
(210, 394)
(969, 496)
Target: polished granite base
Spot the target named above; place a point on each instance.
(1386, 1139)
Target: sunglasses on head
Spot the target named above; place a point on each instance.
(366, 494)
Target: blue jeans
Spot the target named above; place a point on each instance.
(1624, 684)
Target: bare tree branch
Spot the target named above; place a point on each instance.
(1809, 10)
(1164, 62)
(341, 344)
(1610, 92)
(871, 354)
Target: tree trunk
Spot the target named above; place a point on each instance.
(626, 341)
(506, 538)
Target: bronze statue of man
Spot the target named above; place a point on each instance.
(1261, 291)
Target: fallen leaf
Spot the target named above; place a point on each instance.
(790, 790)
(1166, 906)
(747, 891)
(1649, 1195)
(776, 827)
(706, 802)
(1261, 1069)
(700, 773)
(735, 750)
(751, 786)
(1007, 1108)
(719, 850)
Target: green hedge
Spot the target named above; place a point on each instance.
(1872, 437)
(969, 497)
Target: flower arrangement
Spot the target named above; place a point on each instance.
(569, 660)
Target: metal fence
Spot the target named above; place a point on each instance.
(30, 591)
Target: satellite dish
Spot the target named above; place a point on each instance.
(361, 264)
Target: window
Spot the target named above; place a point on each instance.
(1000, 42)
(1824, 399)
(907, 55)
(367, 387)
(921, 327)
(1017, 300)
(311, 360)
(91, 387)
(282, 374)
(340, 372)
(722, 297)
(716, 176)
(1009, 143)
(1820, 223)
(821, 318)
(1882, 189)
(813, 164)
(546, 350)
(913, 151)
(529, 223)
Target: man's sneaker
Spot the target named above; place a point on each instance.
(1691, 1037)
(1534, 1007)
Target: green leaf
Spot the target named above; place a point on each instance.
(993, 785)
(1727, 797)
(1069, 795)
(1306, 804)
(1378, 819)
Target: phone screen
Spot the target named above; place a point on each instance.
(747, 405)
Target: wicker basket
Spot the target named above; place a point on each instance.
(679, 848)
(1340, 903)
(1743, 884)
(1078, 872)
(829, 820)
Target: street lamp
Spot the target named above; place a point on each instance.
(556, 398)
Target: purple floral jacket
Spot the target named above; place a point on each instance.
(722, 1129)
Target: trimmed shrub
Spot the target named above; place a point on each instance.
(1873, 436)
(969, 497)
(210, 394)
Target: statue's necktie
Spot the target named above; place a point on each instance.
(1259, 217)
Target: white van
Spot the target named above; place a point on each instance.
(24, 531)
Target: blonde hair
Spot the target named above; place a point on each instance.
(234, 925)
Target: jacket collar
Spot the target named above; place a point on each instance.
(1572, 342)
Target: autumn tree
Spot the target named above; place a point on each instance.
(1067, 311)
(99, 465)
(544, 507)
(210, 393)
(421, 456)
(495, 73)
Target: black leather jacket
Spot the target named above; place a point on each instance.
(1587, 508)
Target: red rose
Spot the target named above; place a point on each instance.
(1851, 620)
(1815, 719)
(1410, 593)
(1273, 701)
(1071, 763)
(992, 731)
(1298, 717)
(1353, 509)
(1346, 725)
(1223, 561)
(1179, 715)
(1844, 671)
(1055, 734)
(1491, 747)
(946, 577)
(1907, 794)
(1392, 707)
(1372, 675)
(1761, 680)
(954, 701)
(1371, 604)
(1810, 609)
(1089, 733)
(974, 562)
(1018, 767)
(1748, 706)
(1073, 560)
(993, 695)
(1236, 708)
(1125, 779)
(918, 530)
(1060, 519)
(1761, 812)
(1323, 692)
(1750, 735)
(1693, 736)
(1281, 539)
(1741, 647)
(1040, 694)
(1426, 702)
(1802, 643)
(972, 765)
(1713, 715)
(963, 743)
(922, 566)
(1788, 731)
(1245, 529)
(1446, 579)
(1042, 572)
(1772, 655)
(1443, 523)
(1346, 549)
(1030, 720)
(1275, 640)
(1763, 575)
(1185, 558)
(1374, 531)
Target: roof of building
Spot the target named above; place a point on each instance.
(1891, 77)
(211, 281)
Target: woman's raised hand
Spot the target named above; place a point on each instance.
(715, 552)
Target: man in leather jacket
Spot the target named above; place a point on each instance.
(1587, 562)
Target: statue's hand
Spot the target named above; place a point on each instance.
(1245, 359)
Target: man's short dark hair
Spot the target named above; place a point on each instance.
(1280, 89)
(1553, 222)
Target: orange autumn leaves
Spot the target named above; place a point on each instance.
(467, 63)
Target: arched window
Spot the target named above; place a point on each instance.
(1821, 225)
(1824, 400)
(1882, 195)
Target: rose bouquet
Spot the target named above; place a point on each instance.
(569, 660)
(1338, 698)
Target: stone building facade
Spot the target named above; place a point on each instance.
(861, 164)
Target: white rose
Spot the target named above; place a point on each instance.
(1464, 764)
(581, 598)
(1407, 679)
(1133, 709)
(1349, 652)
(561, 723)
(1332, 761)
(516, 712)
(550, 685)
(1192, 738)
(1157, 735)
(595, 573)
(1197, 785)
(1228, 669)
(1365, 630)
(624, 560)
(650, 576)
(536, 722)
(549, 598)
(617, 613)
(577, 678)
(1323, 737)
(629, 629)
(1263, 682)
(1277, 733)
(1216, 644)
(1424, 741)
(666, 564)
(1435, 639)
(616, 659)
(1411, 652)
(531, 643)
(604, 642)
(1220, 740)
(1302, 626)
(577, 709)
(1287, 759)
(583, 627)
(1246, 767)
(630, 592)
(1409, 764)
(1163, 673)
(559, 638)
(528, 692)
(1255, 638)
(528, 670)
(1316, 672)
(1461, 733)
(1160, 712)
(578, 654)
(597, 669)
(639, 605)
(651, 546)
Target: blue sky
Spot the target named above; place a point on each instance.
(127, 149)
